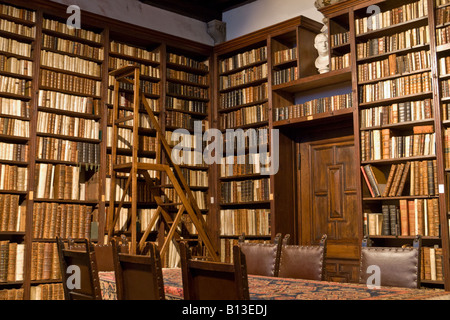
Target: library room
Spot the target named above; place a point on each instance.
(224, 150)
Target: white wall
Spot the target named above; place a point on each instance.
(263, 13)
(135, 12)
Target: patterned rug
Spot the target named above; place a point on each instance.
(268, 288)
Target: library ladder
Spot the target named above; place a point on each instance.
(188, 203)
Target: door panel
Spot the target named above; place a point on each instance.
(329, 198)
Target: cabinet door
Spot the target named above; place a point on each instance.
(328, 195)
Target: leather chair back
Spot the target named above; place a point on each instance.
(303, 262)
(398, 267)
(262, 259)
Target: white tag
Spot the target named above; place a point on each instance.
(441, 188)
(212, 199)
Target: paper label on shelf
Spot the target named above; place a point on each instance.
(103, 198)
(310, 118)
(30, 195)
(441, 188)
(212, 199)
(271, 196)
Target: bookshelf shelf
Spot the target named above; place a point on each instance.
(247, 66)
(315, 81)
(244, 85)
(413, 23)
(234, 108)
(71, 37)
(398, 52)
(314, 118)
(401, 125)
(417, 96)
(395, 160)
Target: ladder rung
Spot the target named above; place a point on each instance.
(170, 204)
(124, 119)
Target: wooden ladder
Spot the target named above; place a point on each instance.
(188, 203)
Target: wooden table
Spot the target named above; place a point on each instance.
(269, 288)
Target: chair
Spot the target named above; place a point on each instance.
(138, 277)
(398, 267)
(303, 262)
(207, 280)
(104, 254)
(262, 259)
(79, 271)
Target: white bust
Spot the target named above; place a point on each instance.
(321, 44)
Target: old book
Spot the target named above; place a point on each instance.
(403, 179)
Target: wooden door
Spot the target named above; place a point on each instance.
(328, 199)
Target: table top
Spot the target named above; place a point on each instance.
(270, 288)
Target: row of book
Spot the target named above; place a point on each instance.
(194, 178)
(145, 70)
(12, 213)
(15, 86)
(445, 88)
(61, 182)
(420, 177)
(83, 50)
(401, 14)
(187, 62)
(445, 111)
(407, 218)
(52, 220)
(444, 66)
(396, 113)
(184, 140)
(45, 261)
(339, 39)
(186, 105)
(246, 164)
(442, 36)
(14, 107)
(253, 222)
(68, 63)
(394, 65)
(17, 28)
(245, 116)
(14, 127)
(19, 13)
(244, 96)
(382, 144)
(183, 120)
(15, 47)
(399, 87)
(243, 77)
(399, 41)
(226, 248)
(285, 75)
(14, 152)
(320, 105)
(15, 65)
(189, 158)
(252, 139)
(186, 90)
(68, 82)
(447, 148)
(186, 76)
(13, 178)
(64, 28)
(285, 55)
(52, 123)
(340, 62)
(65, 150)
(244, 191)
(68, 102)
(432, 263)
(442, 16)
(48, 291)
(136, 52)
(12, 257)
(243, 59)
